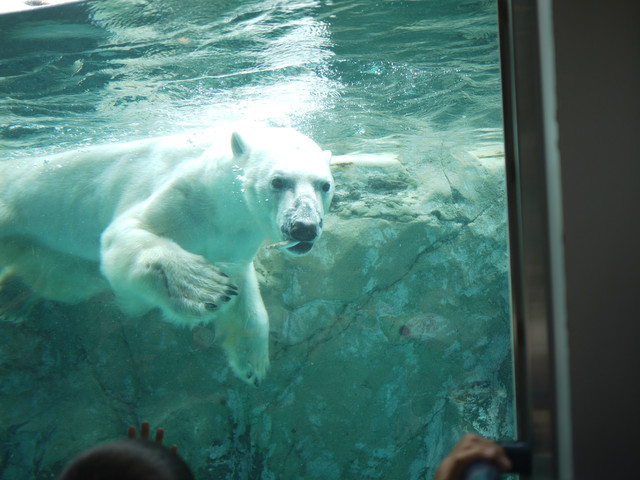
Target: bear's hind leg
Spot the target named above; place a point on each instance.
(16, 298)
(51, 274)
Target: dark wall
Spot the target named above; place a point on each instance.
(598, 95)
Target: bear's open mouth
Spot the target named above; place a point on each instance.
(293, 246)
(301, 247)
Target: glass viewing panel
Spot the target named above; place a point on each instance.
(387, 342)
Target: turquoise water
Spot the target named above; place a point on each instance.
(388, 341)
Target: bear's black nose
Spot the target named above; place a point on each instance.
(304, 231)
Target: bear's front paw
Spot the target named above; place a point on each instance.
(191, 288)
(248, 357)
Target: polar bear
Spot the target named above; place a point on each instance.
(165, 227)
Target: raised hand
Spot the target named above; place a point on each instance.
(145, 434)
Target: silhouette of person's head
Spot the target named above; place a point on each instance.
(127, 460)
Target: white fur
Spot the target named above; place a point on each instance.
(167, 227)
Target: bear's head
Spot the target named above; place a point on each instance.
(288, 184)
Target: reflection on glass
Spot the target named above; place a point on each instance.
(387, 342)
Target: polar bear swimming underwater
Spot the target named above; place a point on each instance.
(167, 230)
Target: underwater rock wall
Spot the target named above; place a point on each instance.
(388, 341)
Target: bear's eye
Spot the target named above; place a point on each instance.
(326, 187)
(277, 183)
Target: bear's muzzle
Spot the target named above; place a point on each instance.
(301, 229)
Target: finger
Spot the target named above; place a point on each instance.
(132, 432)
(144, 431)
(159, 435)
(174, 449)
(483, 449)
(498, 455)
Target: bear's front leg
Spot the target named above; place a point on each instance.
(244, 331)
(147, 271)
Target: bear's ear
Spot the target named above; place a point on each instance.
(327, 155)
(238, 146)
